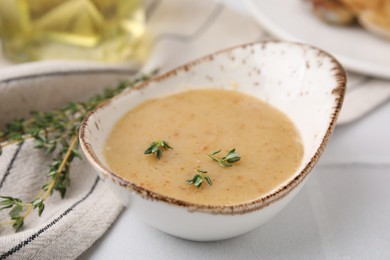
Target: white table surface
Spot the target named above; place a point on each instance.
(343, 212)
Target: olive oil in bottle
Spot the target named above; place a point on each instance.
(103, 30)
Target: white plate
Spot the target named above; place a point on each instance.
(292, 20)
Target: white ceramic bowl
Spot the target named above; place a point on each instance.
(305, 83)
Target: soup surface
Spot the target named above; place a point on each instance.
(196, 123)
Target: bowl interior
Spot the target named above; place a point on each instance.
(302, 81)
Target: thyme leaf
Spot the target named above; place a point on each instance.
(227, 161)
(199, 178)
(157, 148)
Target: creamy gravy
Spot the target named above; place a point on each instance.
(196, 123)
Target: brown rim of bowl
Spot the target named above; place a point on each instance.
(281, 192)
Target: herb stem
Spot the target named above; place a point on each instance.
(53, 181)
(63, 163)
(7, 223)
(28, 210)
(30, 206)
(6, 143)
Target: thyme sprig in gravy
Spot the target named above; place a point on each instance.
(157, 148)
(231, 157)
(199, 178)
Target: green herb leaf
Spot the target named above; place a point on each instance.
(15, 212)
(45, 186)
(207, 178)
(8, 202)
(18, 223)
(157, 148)
(231, 157)
(198, 179)
(36, 202)
(76, 153)
(5, 204)
(41, 207)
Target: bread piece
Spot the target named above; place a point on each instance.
(373, 15)
(333, 12)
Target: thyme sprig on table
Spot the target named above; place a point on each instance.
(157, 148)
(199, 178)
(231, 157)
(54, 132)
